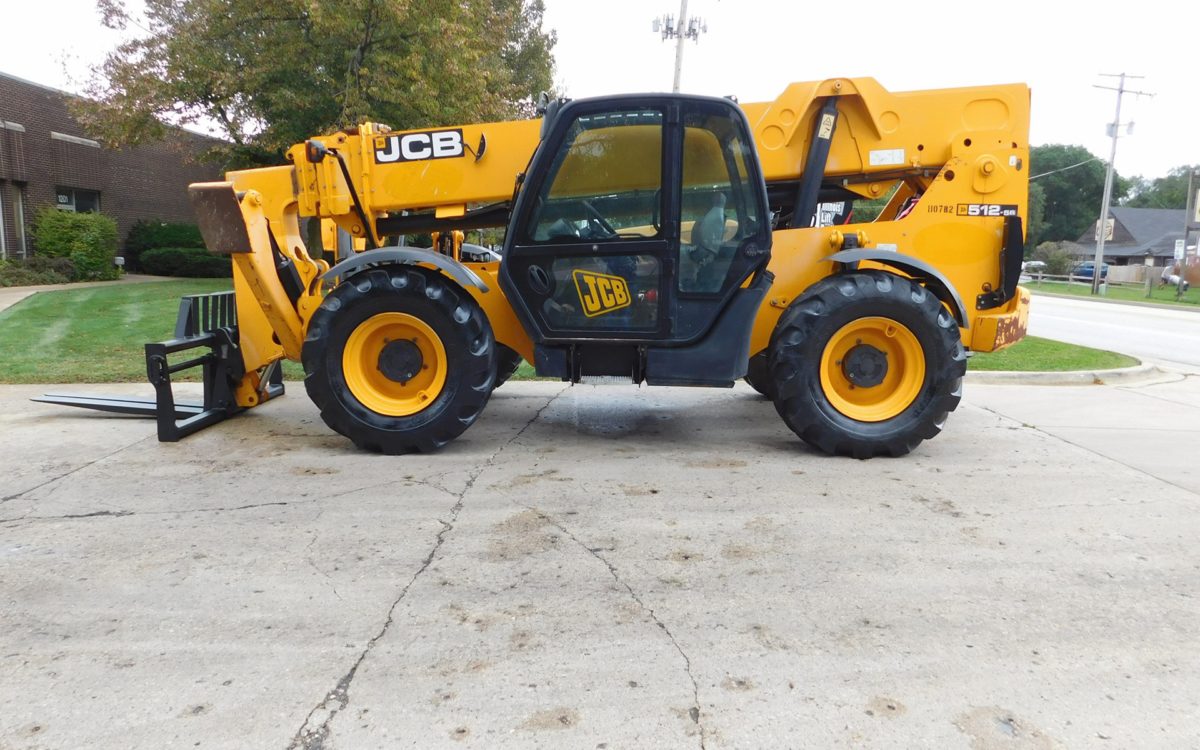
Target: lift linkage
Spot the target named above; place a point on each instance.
(205, 321)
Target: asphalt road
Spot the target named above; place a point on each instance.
(605, 568)
(1161, 335)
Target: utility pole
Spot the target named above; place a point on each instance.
(1114, 131)
(1190, 222)
(685, 28)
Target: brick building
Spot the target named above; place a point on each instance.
(46, 159)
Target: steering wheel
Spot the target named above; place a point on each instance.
(598, 218)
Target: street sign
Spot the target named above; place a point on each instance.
(1178, 249)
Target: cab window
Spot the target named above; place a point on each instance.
(605, 182)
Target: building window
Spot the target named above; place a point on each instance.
(3, 233)
(70, 199)
(18, 201)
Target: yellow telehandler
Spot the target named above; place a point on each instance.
(658, 239)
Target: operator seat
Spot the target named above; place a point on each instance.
(696, 262)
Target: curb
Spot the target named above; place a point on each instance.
(1076, 377)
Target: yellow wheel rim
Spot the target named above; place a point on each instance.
(384, 393)
(852, 350)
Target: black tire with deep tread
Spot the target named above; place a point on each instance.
(758, 375)
(507, 362)
(800, 338)
(458, 321)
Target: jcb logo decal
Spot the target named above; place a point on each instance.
(435, 144)
(601, 293)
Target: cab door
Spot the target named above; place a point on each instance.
(639, 219)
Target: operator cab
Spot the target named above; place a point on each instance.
(639, 241)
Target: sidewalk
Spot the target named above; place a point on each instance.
(10, 296)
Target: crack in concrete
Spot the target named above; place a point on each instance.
(694, 710)
(1094, 452)
(317, 725)
(1141, 391)
(308, 558)
(126, 513)
(252, 506)
(77, 469)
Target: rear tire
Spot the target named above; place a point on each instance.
(866, 364)
(399, 359)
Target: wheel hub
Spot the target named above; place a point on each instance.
(395, 364)
(872, 369)
(400, 360)
(865, 366)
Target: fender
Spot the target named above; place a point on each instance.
(914, 267)
(411, 256)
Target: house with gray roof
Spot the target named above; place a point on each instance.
(1136, 232)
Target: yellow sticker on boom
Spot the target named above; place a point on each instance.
(601, 293)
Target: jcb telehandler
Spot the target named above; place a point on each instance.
(658, 239)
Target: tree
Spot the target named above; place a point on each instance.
(1072, 183)
(1163, 192)
(1037, 217)
(270, 73)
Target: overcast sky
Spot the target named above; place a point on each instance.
(753, 48)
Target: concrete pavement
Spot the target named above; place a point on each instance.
(605, 567)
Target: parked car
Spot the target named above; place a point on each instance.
(1034, 266)
(1085, 270)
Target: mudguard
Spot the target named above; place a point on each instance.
(914, 267)
(411, 256)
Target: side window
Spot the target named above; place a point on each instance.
(718, 205)
(605, 182)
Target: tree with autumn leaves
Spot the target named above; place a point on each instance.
(266, 74)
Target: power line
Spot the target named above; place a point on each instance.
(1064, 169)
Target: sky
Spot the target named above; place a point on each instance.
(754, 48)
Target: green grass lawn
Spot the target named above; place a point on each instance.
(1125, 293)
(92, 335)
(526, 372)
(96, 335)
(1032, 354)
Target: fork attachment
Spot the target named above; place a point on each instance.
(205, 321)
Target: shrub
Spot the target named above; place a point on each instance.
(33, 272)
(54, 231)
(89, 240)
(149, 235)
(43, 264)
(190, 262)
(1057, 256)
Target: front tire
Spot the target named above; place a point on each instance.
(399, 360)
(758, 375)
(507, 362)
(866, 364)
